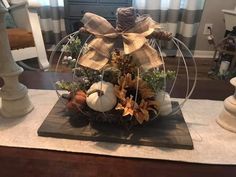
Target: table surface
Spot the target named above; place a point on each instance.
(23, 162)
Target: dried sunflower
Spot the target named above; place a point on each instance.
(139, 107)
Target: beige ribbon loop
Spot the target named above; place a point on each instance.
(147, 57)
(103, 46)
(145, 26)
(134, 41)
(97, 25)
(95, 60)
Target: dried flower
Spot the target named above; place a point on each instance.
(135, 101)
(122, 62)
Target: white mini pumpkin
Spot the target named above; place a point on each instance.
(101, 96)
(165, 103)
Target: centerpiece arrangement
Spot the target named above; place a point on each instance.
(114, 84)
(120, 93)
(119, 79)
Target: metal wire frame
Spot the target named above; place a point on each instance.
(153, 43)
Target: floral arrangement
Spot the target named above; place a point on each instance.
(115, 92)
(116, 85)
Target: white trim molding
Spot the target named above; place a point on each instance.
(196, 53)
(203, 54)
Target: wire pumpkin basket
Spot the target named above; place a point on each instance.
(121, 91)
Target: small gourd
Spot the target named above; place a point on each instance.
(165, 103)
(101, 97)
(80, 97)
(77, 101)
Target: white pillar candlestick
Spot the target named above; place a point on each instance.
(15, 100)
(227, 118)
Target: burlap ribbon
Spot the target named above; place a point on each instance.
(134, 42)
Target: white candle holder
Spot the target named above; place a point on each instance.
(227, 118)
(15, 100)
(224, 66)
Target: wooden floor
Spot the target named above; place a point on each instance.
(203, 67)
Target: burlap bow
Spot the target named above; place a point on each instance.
(134, 42)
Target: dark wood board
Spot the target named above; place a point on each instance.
(170, 131)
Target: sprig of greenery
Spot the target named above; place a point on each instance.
(87, 73)
(156, 78)
(73, 46)
(69, 86)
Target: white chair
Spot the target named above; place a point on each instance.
(26, 17)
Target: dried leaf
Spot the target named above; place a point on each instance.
(128, 105)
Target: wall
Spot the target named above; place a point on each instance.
(212, 14)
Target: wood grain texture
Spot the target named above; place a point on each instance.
(170, 131)
(42, 163)
(22, 162)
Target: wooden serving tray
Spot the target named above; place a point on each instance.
(170, 131)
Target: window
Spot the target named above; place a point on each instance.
(51, 3)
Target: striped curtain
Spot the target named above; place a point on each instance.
(180, 17)
(51, 15)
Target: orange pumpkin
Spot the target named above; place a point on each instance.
(80, 97)
(77, 102)
(71, 106)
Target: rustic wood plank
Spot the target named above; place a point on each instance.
(170, 131)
